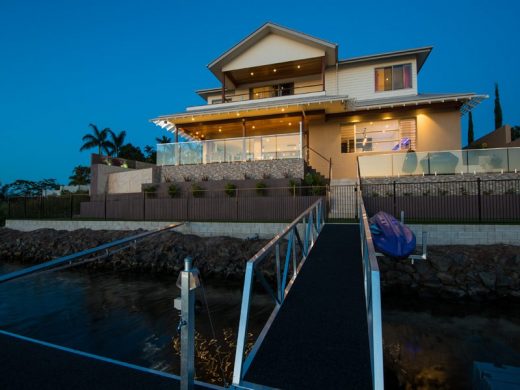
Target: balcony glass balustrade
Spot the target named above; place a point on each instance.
(441, 163)
(271, 147)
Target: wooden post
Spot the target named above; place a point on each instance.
(323, 73)
(223, 87)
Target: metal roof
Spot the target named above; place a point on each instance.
(421, 53)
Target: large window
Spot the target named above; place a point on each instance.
(379, 136)
(271, 91)
(393, 77)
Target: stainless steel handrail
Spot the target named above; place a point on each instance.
(310, 222)
(69, 259)
(372, 296)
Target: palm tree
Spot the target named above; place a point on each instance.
(117, 140)
(163, 140)
(97, 138)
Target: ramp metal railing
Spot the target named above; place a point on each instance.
(79, 257)
(309, 224)
(372, 297)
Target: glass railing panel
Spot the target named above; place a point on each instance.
(410, 163)
(214, 151)
(288, 146)
(487, 160)
(514, 159)
(234, 150)
(375, 166)
(167, 154)
(268, 148)
(446, 163)
(190, 152)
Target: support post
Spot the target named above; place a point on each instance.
(395, 199)
(105, 207)
(189, 281)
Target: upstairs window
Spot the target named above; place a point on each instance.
(394, 77)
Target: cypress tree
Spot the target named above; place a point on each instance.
(498, 109)
(470, 129)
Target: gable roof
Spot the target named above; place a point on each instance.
(331, 49)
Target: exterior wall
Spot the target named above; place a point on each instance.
(499, 138)
(359, 81)
(99, 177)
(276, 169)
(437, 129)
(129, 181)
(468, 234)
(271, 50)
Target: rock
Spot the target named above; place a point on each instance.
(446, 278)
(488, 279)
(441, 263)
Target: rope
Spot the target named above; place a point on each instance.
(213, 332)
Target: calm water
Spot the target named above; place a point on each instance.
(131, 318)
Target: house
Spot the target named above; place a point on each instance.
(503, 137)
(286, 102)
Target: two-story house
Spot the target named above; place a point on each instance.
(285, 98)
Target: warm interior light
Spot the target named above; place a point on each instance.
(274, 70)
(371, 123)
(254, 127)
(252, 74)
(290, 123)
(283, 109)
(298, 66)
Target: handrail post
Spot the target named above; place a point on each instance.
(242, 327)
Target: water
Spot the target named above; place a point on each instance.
(131, 318)
(126, 317)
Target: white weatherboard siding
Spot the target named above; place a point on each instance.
(359, 81)
(273, 49)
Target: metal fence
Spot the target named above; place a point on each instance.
(58, 207)
(472, 201)
(464, 201)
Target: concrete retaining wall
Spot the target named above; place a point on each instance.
(203, 229)
(468, 234)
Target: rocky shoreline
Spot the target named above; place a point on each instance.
(456, 271)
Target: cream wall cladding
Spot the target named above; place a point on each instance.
(129, 181)
(271, 50)
(275, 169)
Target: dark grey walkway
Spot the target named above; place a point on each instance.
(25, 365)
(319, 340)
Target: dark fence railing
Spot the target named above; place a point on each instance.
(471, 201)
(454, 201)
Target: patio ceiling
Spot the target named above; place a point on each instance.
(280, 71)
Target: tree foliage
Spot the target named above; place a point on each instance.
(150, 154)
(131, 152)
(471, 135)
(97, 139)
(116, 142)
(80, 176)
(498, 108)
(163, 140)
(31, 188)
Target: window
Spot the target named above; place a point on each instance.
(379, 136)
(394, 77)
(271, 91)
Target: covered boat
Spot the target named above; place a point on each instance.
(391, 237)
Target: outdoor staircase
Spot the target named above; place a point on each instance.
(313, 171)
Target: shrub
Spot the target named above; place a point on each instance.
(261, 188)
(316, 183)
(174, 191)
(197, 191)
(150, 191)
(266, 175)
(230, 189)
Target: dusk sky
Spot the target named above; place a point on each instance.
(65, 64)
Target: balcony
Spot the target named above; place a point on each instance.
(269, 92)
(452, 162)
(256, 148)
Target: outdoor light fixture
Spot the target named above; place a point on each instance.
(192, 118)
(238, 114)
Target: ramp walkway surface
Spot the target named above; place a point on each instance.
(319, 339)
